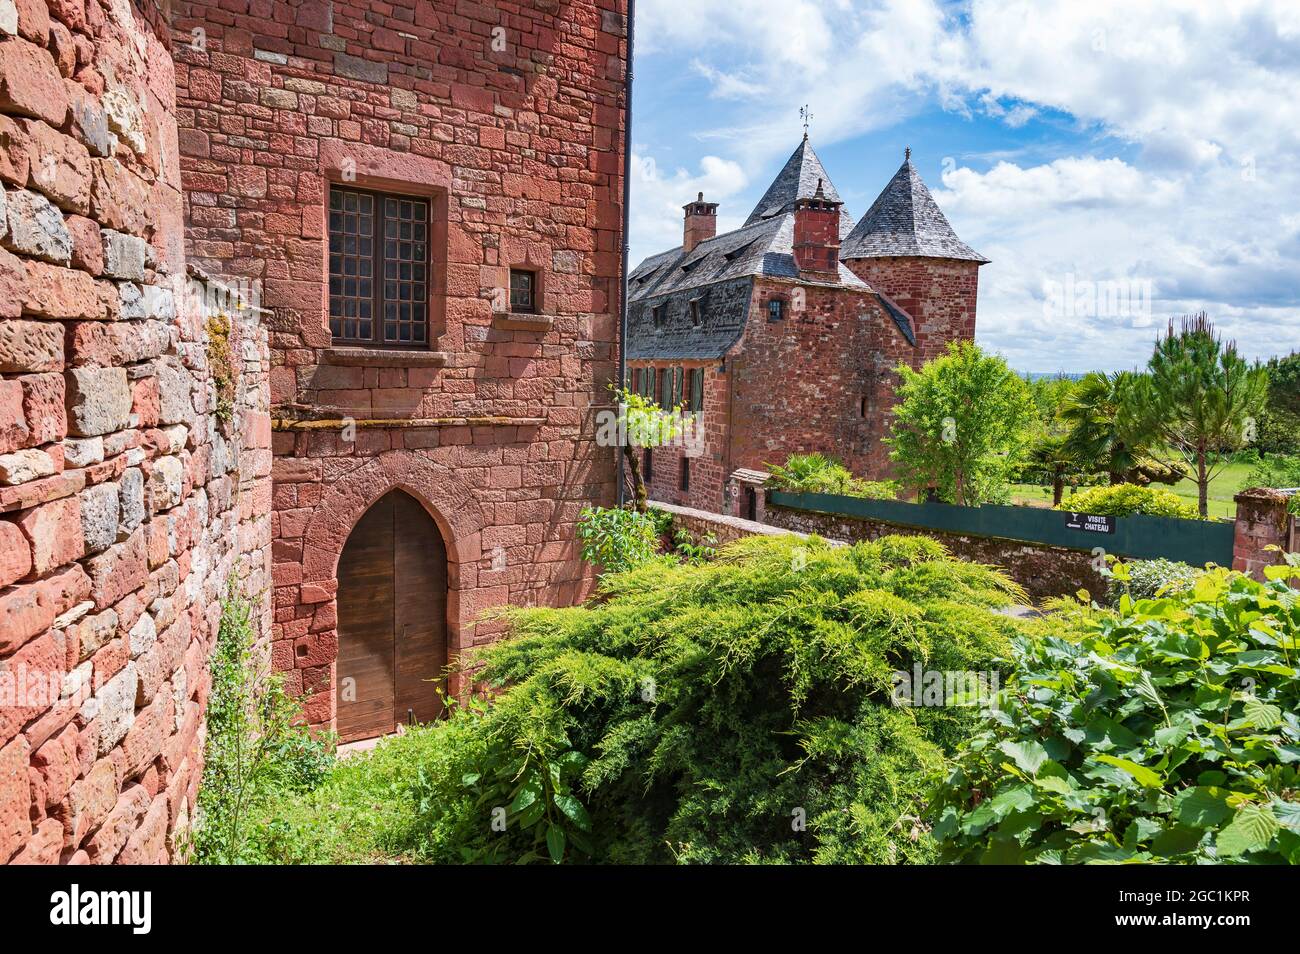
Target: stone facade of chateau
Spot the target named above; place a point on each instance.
(418, 206)
(783, 334)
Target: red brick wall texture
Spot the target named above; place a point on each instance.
(126, 502)
(133, 148)
(507, 117)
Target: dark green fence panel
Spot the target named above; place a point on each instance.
(1191, 541)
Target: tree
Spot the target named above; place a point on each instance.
(957, 424)
(1105, 432)
(1050, 459)
(1279, 425)
(1201, 397)
(641, 423)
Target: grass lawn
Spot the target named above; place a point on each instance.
(1229, 480)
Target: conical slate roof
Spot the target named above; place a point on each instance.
(798, 179)
(906, 221)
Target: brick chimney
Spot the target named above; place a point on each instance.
(701, 222)
(817, 234)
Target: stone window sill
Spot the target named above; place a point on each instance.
(522, 322)
(384, 358)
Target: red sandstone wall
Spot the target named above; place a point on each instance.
(1263, 521)
(508, 116)
(124, 502)
(938, 293)
(798, 384)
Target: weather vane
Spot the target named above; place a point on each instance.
(806, 117)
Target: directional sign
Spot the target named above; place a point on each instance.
(1090, 523)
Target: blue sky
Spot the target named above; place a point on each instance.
(1119, 163)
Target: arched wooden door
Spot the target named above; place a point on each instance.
(392, 611)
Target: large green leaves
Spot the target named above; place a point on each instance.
(1167, 734)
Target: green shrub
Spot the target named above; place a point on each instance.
(618, 538)
(731, 711)
(1167, 734)
(1144, 579)
(819, 474)
(1275, 470)
(254, 751)
(366, 809)
(1125, 500)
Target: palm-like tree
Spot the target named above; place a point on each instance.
(1050, 457)
(1106, 431)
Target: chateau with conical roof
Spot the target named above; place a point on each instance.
(802, 295)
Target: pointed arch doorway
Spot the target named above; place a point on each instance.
(392, 615)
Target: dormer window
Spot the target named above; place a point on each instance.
(775, 309)
(523, 291)
(736, 252)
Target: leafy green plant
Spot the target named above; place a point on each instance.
(694, 551)
(618, 539)
(819, 474)
(959, 425)
(641, 423)
(1108, 431)
(1169, 733)
(1125, 500)
(1146, 579)
(737, 710)
(1278, 429)
(254, 750)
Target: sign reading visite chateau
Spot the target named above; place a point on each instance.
(1089, 523)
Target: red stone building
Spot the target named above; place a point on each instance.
(782, 335)
(423, 200)
(429, 195)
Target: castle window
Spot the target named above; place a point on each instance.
(775, 309)
(378, 268)
(647, 467)
(657, 313)
(686, 474)
(523, 291)
(695, 312)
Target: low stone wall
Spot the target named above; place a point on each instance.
(722, 528)
(135, 446)
(1043, 571)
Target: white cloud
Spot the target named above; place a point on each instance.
(1182, 168)
(658, 197)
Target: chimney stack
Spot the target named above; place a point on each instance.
(701, 222)
(817, 234)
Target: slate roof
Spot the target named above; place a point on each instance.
(765, 248)
(798, 179)
(722, 308)
(905, 220)
(718, 273)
